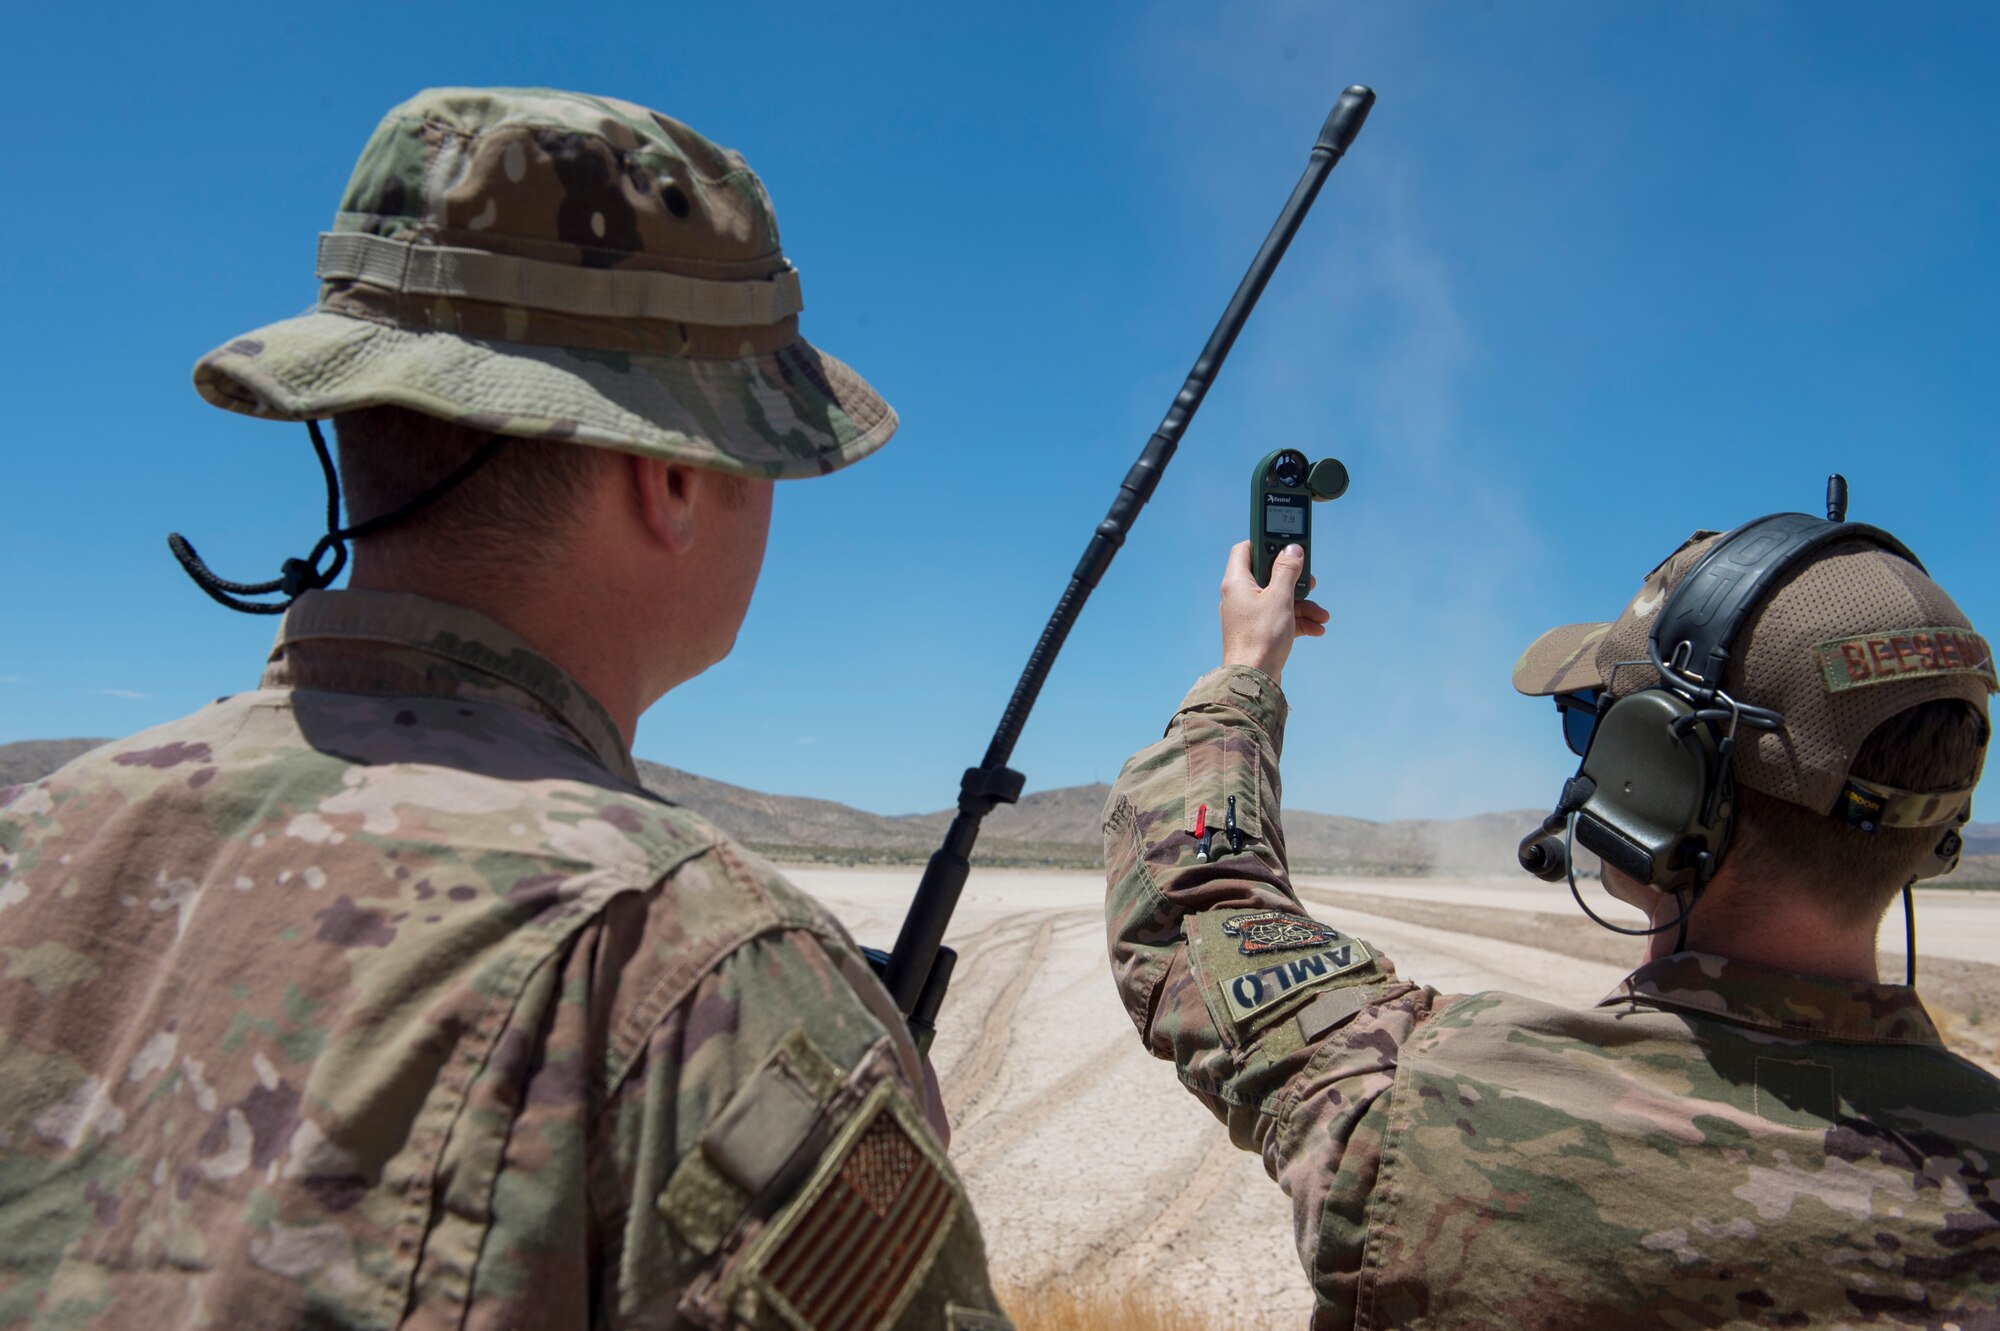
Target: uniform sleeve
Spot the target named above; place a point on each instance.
(769, 1161)
(1286, 1028)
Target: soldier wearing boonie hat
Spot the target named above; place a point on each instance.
(388, 994)
(1751, 1129)
(544, 265)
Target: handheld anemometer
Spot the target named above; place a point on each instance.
(1283, 489)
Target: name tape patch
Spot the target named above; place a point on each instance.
(1881, 658)
(1253, 991)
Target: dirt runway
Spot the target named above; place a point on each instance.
(1088, 1163)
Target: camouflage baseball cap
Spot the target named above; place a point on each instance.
(557, 266)
(1848, 640)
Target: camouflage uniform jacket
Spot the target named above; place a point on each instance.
(384, 995)
(1712, 1145)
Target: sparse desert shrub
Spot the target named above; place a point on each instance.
(1054, 1308)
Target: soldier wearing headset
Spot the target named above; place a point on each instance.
(1778, 734)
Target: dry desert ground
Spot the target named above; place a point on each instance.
(1089, 1165)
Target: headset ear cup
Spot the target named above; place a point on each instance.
(1655, 769)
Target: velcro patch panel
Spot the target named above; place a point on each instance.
(1332, 1010)
(1247, 981)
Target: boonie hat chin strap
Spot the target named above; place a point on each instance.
(299, 576)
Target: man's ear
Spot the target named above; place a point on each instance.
(665, 492)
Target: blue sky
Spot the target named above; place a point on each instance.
(1593, 276)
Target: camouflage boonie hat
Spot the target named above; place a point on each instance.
(557, 266)
(1848, 640)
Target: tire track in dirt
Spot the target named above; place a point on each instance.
(1457, 960)
(993, 1107)
(1002, 1132)
(966, 1100)
(980, 953)
(1019, 976)
(975, 947)
(1126, 1256)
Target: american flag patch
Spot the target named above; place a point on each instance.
(852, 1253)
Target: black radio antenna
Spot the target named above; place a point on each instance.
(918, 971)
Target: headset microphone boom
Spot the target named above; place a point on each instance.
(918, 970)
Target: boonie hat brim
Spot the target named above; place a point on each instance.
(793, 412)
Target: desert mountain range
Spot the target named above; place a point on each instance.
(1050, 828)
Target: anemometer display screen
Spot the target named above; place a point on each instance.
(1285, 515)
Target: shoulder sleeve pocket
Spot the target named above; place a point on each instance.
(1221, 761)
(752, 1145)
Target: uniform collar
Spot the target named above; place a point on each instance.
(417, 645)
(1803, 1005)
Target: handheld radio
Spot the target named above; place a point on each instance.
(1283, 489)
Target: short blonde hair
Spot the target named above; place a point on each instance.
(526, 497)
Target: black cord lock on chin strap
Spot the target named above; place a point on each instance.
(299, 576)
